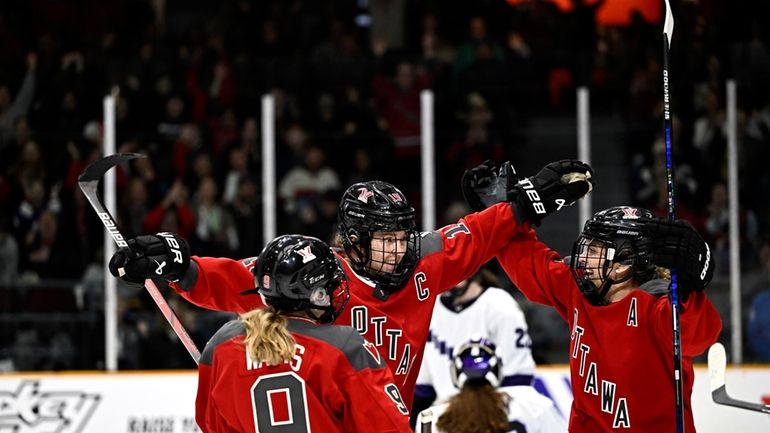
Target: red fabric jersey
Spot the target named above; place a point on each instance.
(336, 382)
(397, 326)
(621, 355)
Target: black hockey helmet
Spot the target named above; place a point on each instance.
(476, 361)
(614, 235)
(301, 273)
(376, 206)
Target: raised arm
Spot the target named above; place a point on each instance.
(212, 283)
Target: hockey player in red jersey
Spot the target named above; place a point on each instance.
(613, 295)
(395, 272)
(283, 368)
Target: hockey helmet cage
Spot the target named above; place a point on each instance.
(377, 206)
(614, 235)
(476, 362)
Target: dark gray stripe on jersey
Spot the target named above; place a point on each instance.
(187, 282)
(430, 243)
(344, 338)
(229, 330)
(657, 287)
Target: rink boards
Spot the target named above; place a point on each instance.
(149, 402)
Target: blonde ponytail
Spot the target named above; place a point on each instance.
(267, 338)
(663, 273)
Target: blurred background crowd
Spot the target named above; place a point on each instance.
(346, 76)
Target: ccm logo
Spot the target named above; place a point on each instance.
(173, 246)
(533, 196)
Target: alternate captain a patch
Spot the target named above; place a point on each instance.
(633, 318)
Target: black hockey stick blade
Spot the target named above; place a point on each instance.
(95, 171)
(717, 360)
(88, 181)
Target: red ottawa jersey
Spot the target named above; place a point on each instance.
(335, 382)
(396, 323)
(621, 355)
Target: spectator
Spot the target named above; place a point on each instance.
(48, 253)
(9, 254)
(479, 141)
(134, 207)
(30, 208)
(717, 228)
(397, 101)
(239, 169)
(173, 214)
(467, 52)
(214, 231)
(302, 186)
(10, 111)
(245, 208)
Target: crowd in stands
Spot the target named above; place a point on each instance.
(346, 77)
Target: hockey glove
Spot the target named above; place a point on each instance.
(676, 244)
(557, 185)
(164, 255)
(483, 186)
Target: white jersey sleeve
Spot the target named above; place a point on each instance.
(534, 411)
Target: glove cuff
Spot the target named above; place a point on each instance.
(522, 207)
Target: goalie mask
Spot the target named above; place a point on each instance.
(614, 235)
(378, 211)
(476, 362)
(301, 273)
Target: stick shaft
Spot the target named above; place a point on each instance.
(89, 189)
(667, 132)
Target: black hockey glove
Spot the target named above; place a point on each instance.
(164, 255)
(676, 244)
(483, 186)
(557, 185)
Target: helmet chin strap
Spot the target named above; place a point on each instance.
(609, 282)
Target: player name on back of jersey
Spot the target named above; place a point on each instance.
(295, 363)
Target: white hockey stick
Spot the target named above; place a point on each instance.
(717, 365)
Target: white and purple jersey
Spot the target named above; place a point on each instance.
(494, 315)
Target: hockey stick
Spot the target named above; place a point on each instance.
(717, 365)
(89, 183)
(668, 32)
(426, 421)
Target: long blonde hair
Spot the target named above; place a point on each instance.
(476, 409)
(663, 273)
(267, 337)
